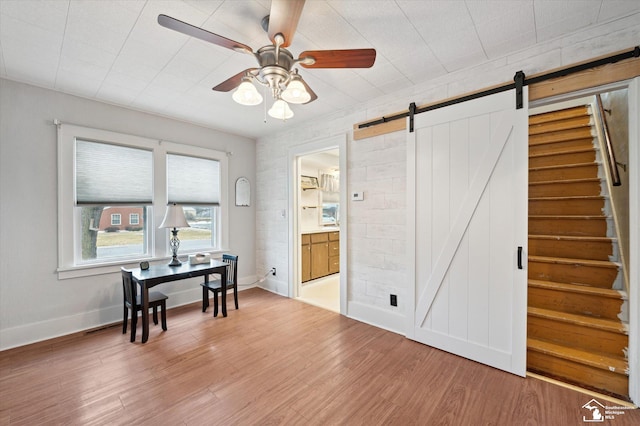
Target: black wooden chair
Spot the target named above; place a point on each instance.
(216, 285)
(132, 302)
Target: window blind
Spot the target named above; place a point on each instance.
(193, 180)
(112, 174)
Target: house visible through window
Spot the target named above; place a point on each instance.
(105, 177)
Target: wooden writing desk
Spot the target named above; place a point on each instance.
(158, 274)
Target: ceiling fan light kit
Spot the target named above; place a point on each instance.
(295, 93)
(247, 94)
(276, 62)
(280, 110)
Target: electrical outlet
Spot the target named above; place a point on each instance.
(273, 271)
(393, 300)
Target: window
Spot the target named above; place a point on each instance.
(110, 180)
(106, 176)
(116, 219)
(194, 183)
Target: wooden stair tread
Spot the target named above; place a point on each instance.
(564, 224)
(579, 238)
(580, 289)
(568, 123)
(568, 261)
(576, 150)
(582, 320)
(561, 166)
(581, 133)
(569, 197)
(544, 117)
(551, 182)
(605, 362)
(541, 142)
(572, 217)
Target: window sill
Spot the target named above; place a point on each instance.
(80, 271)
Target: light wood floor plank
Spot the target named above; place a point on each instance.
(273, 361)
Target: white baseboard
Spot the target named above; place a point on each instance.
(377, 317)
(56, 327)
(275, 286)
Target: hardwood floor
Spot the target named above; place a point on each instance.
(273, 361)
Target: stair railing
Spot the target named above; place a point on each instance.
(611, 156)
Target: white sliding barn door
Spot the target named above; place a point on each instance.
(468, 205)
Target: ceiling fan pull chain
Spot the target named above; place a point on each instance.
(264, 90)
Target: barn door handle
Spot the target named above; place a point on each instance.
(519, 257)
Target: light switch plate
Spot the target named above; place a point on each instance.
(357, 196)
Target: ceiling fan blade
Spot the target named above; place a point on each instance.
(283, 19)
(308, 89)
(348, 58)
(197, 32)
(233, 82)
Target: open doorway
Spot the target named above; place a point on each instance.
(318, 232)
(579, 293)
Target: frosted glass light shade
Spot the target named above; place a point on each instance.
(280, 110)
(247, 94)
(174, 217)
(296, 93)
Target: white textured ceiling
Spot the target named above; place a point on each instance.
(115, 51)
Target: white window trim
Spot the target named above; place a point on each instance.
(136, 216)
(159, 238)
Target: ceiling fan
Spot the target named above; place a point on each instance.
(276, 64)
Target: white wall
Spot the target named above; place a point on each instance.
(34, 304)
(377, 166)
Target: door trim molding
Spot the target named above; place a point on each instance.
(634, 241)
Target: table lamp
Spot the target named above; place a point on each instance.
(174, 218)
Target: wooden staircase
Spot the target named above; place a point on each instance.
(577, 321)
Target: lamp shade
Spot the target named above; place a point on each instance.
(281, 110)
(174, 217)
(247, 94)
(296, 93)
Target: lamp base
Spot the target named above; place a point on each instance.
(174, 243)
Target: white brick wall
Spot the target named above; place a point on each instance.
(377, 166)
